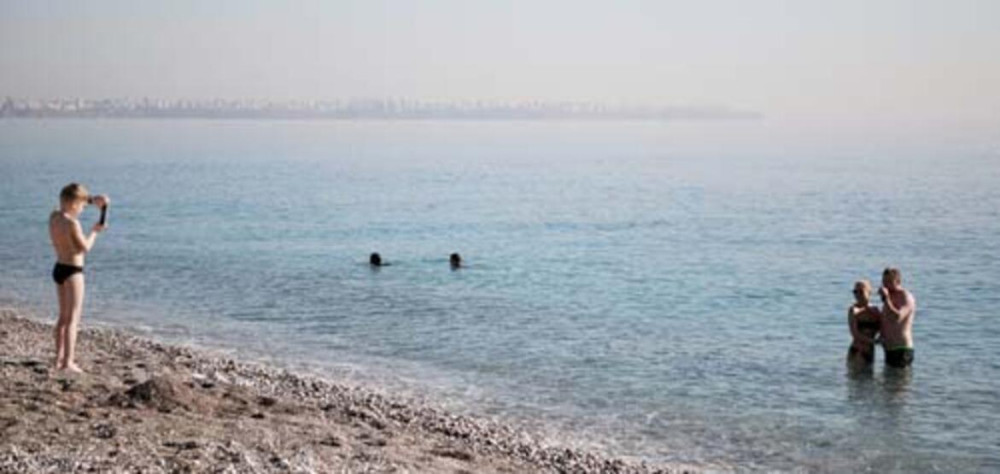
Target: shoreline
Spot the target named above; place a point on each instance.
(157, 407)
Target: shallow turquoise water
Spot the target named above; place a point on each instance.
(667, 291)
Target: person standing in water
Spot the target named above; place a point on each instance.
(71, 246)
(863, 321)
(898, 310)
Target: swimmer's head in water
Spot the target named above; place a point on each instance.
(892, 278)
(375, 259)
(862, 291)
(456, 260)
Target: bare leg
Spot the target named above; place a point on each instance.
(75, 290)
(65, 314)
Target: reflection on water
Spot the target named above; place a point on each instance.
(895, 398)
(897, 384)
(860, 382)
(883, 412)
(857, 371)
(888, 387)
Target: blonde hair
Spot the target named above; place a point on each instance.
(73, 192)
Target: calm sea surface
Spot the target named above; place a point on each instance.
(675, 292)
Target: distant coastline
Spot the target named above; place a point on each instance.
(356, 109)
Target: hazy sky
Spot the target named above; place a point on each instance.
(877, 58)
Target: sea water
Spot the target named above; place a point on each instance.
(666, 291)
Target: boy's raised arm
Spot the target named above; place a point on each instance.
(83, 243)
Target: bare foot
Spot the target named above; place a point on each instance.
(73, 368)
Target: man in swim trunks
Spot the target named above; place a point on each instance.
(71, 245)
(898, 310)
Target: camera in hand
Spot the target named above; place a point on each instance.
(104, 210)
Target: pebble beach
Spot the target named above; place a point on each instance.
(145, 406)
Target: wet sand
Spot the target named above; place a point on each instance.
(144, 406)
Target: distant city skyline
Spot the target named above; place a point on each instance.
(372, 108)
(851, 60)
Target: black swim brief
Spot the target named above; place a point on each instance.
(899, 357)
(61, 272)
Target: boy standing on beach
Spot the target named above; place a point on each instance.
(898, 309)
(71, 245)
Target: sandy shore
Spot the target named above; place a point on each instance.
(144, 406)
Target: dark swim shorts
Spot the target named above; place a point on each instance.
(899, 357)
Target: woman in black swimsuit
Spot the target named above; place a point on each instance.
(863, 321)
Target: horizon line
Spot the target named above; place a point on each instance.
(361, 108)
